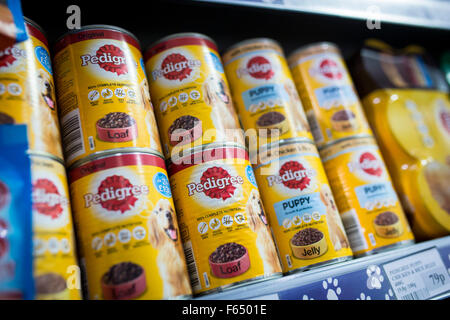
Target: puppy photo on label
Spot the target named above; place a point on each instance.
(164, 236)
(258, 223)
(224, 117)
(150, 120)
(337, 233)
(44, 122)
(295, 108)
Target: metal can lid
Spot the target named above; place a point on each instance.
(181, 35)
(322, 46)
(33, 154)
(251, 41)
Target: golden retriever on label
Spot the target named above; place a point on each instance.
(257, 221)
(150, 120)
(217, 95)
(163, 237)
(337, 233)
(44, 122)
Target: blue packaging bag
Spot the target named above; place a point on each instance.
(16, 263)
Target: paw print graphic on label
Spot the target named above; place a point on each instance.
(389, 295)
(375, 278)
(363, 296)
(305, 297)
(333, 290)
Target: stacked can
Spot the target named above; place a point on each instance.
(295, 192)
(124, 214)
(223, 225)
(27, 95)
(370, 210)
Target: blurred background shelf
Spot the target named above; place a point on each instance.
(424, 13)
(363, 278)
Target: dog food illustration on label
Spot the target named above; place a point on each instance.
(27, 91)
(332, 106)
(264, 91)
(127, 228)
(103, 93)
(190, 92)
(56, 271)
(224, 228)
(303, 214)
(370, 210)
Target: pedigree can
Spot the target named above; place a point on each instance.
(331, 103)
(127, 228)
(263, 90)
(225, 232)
(303, 215)
(103, 93)
(190, 92)
(370, 209)
(27, 91)
(56, 271)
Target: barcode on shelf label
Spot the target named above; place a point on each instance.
(314, 126)
(72, 135)
(192, 266)
(419, 276)
(354, 231)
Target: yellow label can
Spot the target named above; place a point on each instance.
(192, 100)
(331, 103)
(263, 90)
(56, 271)
(370, 209)
(127, 228)
(302, 212)
(27, 91)
(226, 237)
(103, 93)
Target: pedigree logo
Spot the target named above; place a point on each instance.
(47, 200)
(176, 67)
(257, 67)
(215, 183)
(368, 163)
(116, 193)
(109, 58)
(292, 175)
(10, 55)
(330, 69)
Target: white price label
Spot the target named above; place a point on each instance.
(418, 277)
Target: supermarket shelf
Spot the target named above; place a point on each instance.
(370, 277)
(423, 13)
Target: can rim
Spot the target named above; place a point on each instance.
(179, 35)
(35, 25)
(284, 142)
(111, 153)
(208, 146)
(358, 136)
(33, 153)
(322, 44)
(98, 26)
(252, 40)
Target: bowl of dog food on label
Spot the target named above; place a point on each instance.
(308, 243)
(344, 120)
(117, 127)
(229, 260)
(51, 286)
(124, 281)
(185, 130)
(388, 225)
(272, 121)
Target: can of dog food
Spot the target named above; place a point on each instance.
(103, 93)
(127, 228)
(56, 271)
(303, 215)
(224, 228)
(263, 90)
(370, 209)
(27, 91)
(331, 103)
(190, 92)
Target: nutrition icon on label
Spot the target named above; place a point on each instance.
(2, 88)
(202, 227)
(163, 106)
(194, 95)
(14, 89)
(39, 247)
(65, 246)
(110, 239)
(120, 93)
(227, 221)
(131, 94)
(93, 95)
(239, 218)
(107, 93)
(183, 97)
(139, 233)
(172, 101)
(97, 243)
(53, 245)
(124, 236)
